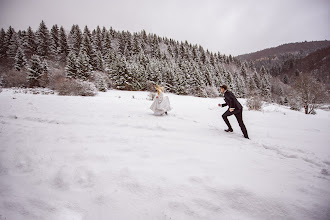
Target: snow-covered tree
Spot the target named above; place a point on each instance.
(63, 44)
(13, 46)
(10, 32)
(84, 68)
(106, 43)
(54, 40)
(29, 43)
(309, 92)
(71, 65)
(20, 60)
(75, 39)
(43, 40)
(2, 42)
(35, 71)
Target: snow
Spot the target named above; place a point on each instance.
(109, 157)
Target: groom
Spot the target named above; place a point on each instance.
(235, 108)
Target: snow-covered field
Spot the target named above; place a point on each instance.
(108, 157)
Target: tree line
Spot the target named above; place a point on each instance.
(132, 61)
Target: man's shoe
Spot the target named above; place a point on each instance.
(165, 113)
(247, 137)
(229, 130)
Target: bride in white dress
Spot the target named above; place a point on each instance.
(160, 104)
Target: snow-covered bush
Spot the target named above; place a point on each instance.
(101, 81)
(76, 88)
(254, 103)
(55, 77)
(211, 92)
(15, 78)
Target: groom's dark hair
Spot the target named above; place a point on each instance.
(224, 87)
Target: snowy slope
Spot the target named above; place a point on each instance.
(109, 157)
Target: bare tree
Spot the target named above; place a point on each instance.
(309, 92)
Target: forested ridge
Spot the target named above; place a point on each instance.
(130, 61)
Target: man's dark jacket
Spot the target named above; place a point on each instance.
(231, 101)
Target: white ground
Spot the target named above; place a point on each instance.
(108, 157)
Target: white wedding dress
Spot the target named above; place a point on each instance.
(160, 105)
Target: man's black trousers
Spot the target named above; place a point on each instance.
(239, 116)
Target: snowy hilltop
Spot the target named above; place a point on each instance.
(108, 157)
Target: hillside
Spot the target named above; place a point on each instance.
(299, 48)
(109, 157)
(317, 63)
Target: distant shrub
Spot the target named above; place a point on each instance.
(294, 105)
(55, 78)
(72, 87)
(101, 81)
(211, 92)
(14, 78)
(254, 103)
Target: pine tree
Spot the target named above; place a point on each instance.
(13, 46)
(76, 39)
(98, 60)
(44, 66)
(109, 61)
(119, 73)
(136, 45)
(106, 43)
(243, 71)
(63, 44)
(20, 60)
(266, 86)
(252, 87)
(212, 59)
(54, 40)
(43, 40)
(30, 45)
(97, 40)
(71, 65)
(35, 71)
(203, 56)
(257, 80)
(84, 67)
(87, 49)
(2, 43)
(122, 44)
(10, 32)
(129, 45)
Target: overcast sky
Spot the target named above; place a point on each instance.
(226, 26)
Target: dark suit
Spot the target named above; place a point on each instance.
(232, 102)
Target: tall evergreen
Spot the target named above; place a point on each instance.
(87, 49)
(12, 46)
(63, 44)
(71, 65)
(2, 43)
(84, 68)
(35, 71)
(10, 32)
(54, 40)
(97, 39)
(75, 38)
(43, 40)
(30, 45)
(106, 43)
(20, 60)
